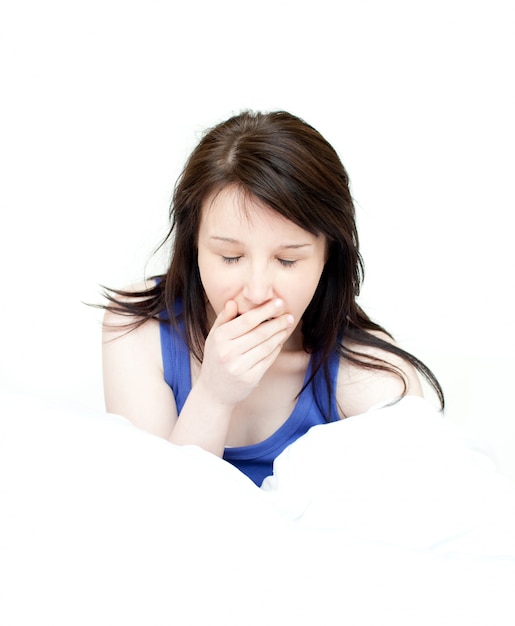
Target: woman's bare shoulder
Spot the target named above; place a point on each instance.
(124, 295)
(134, 383)
(126, 332)
(361, 388)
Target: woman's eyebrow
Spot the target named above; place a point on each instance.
(224, 239)
(295, 245)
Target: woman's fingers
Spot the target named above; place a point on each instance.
(261, 354)
(235, 325)
(239, 335)
(257, 316)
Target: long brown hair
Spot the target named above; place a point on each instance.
(288, 165)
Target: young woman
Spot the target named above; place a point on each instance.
(254, 335)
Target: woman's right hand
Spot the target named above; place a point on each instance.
(240, 348)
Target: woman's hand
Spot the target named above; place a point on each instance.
(240, 349)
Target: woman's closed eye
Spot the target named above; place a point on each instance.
(229, 260)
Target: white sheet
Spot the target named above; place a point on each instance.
(390, 516)
(402, 475)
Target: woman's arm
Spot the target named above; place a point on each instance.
(239, 349)
(134, 385)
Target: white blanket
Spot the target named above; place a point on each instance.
(393, 516)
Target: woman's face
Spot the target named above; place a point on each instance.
(250, 254)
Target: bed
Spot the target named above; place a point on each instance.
(391, 516)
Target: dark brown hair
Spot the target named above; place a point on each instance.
(288, 165)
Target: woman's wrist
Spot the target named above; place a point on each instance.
(204, 421)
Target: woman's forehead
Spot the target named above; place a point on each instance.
(235, 205)
(234, 197)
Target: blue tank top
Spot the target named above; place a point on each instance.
(256, 461)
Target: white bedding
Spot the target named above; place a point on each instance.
(390, 517)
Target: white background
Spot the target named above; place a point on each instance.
(101, 102)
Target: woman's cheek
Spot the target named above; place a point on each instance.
(218, 297)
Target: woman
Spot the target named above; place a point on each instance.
(254, 335)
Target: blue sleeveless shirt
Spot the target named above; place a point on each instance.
(256, 461)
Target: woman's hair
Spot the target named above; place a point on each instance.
(286, 164)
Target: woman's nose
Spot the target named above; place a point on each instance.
(257, 287)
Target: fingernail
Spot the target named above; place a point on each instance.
(278, 303)
(290, 319)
